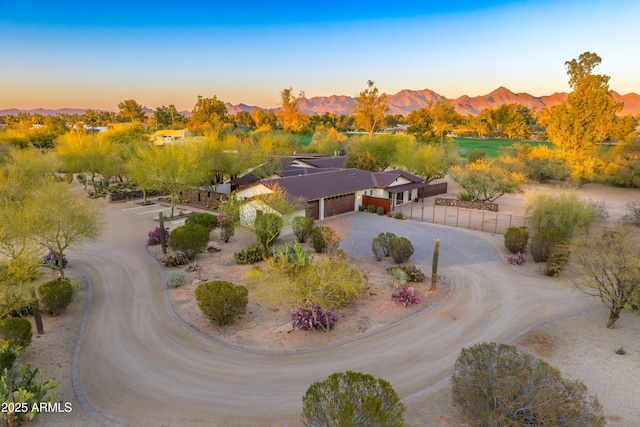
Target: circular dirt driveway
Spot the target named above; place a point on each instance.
(138, 366)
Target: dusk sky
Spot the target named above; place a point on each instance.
(77, 54)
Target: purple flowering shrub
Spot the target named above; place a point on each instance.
(406, 296)
(52, 259)
(312, 316)
(517, 259)
(154, 236)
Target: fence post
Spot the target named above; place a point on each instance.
(482, 225)
(433, 215)
(495, 229)
(422, 217)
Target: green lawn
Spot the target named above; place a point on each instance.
(493, 147)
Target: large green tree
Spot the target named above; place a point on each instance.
(83, 152)
(370, 109)
(208, 113)
(291, 118)
(130, 111)
(168, 117)
(587, 117)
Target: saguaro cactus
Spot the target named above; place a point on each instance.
(434, 266)
(163, 234)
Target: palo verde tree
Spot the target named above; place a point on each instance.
(352, 399)
(495, 385)
(370, 109)
(84, 152)
(208, 113)
(586, 118)
(61, 219)
(486, 180)
(170, 169)
(606, 266)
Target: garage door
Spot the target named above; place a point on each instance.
(339, 204)
(313, 211)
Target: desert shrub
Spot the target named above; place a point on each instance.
(8, 356)
(400, 249)
(56, 295)
(17, 332)
(398, 215)
(222, 302)
(414, 274)
(518, 259)
(175, 260)
(600, 207)
(566, 213)
(52, 259)
(633, 213)
(558, 259)
(476, 154)
(463, 196)
(312, 316)
(207, 220)
(361, 208)
(267, 227)
(249, 255)
(155, 238)
(386, 238)
(496, 385)
(227, 229)
(189, 239)
(542, 242)
(405, 295)
(380, 210)
(301, 227)
(293, 255)
(26, 388)
(377, 246)
(175, 279)
(516, 238)
(352, 399)
(371, 209)
(324, 239)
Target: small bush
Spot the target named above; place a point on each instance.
(301, 227)
(56, 295)
(377, 246)
(324, 239)
(312, 316)
(8, 357)
(249, 255)
(385, 238)
(398, 215)
(175, 279)
(207, 220)
(17, 332)
(542, 242)
(175, 260)
(222, 302)
(558, 259)
(518, 259)
(52, 259)
(400, 249)
(465, 197)
(361, 208)
(371, 209)
(414, 274)
(380, 210)
(268, 227)
(406, 296)
(516, 239)
(600, 207)
(189, 239)
(227, 229)
(352, 399)
(293, 255)
(155, 238)
(633, 213)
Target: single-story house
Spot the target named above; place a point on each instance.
(335, 191)
(163, 136)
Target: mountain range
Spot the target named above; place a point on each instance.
(402, 102)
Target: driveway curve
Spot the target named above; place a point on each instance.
(140, 367)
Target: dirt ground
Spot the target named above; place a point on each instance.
(580, 346)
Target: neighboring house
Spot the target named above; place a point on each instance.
(170, 135)
(332, 192)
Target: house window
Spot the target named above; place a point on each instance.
(399, 197)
